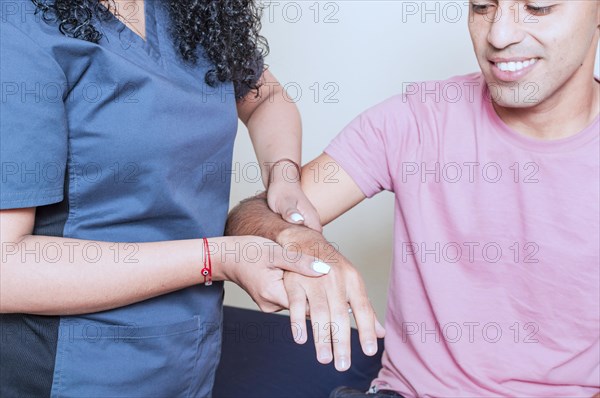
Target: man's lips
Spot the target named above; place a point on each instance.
(512, 69)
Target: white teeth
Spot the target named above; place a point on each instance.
(515, 66)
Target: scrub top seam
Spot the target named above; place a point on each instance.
(71, 191)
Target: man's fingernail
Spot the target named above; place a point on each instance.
(324, 355)
(370, 348)
(343, 363)
(320, 267)
(297, 217)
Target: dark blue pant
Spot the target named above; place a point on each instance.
(346, 392)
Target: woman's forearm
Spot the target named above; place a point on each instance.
(274, 125)
(276, 132)
(61, 276)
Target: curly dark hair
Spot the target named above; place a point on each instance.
(228, 31)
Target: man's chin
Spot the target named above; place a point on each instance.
(511, 104)
(515, 95)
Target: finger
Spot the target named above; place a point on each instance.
(293, 215)
(368, 326)
(297, 300)
(340, 330)
(311, 217)
(270, 308)
(297, 262)
(288, 208)
(273, 298)
(320, 322)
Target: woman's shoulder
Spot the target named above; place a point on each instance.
(23, 20)
(36, 37)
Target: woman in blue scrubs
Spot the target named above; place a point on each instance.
(117, 128)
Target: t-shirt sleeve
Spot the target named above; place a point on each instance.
(371, 146)
(33, 126)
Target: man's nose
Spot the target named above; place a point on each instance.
(507, 26)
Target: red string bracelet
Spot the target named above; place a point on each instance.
(207, 270)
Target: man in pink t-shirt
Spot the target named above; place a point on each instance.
(495, 285)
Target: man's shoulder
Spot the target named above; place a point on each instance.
(419, 101)
(462, 89)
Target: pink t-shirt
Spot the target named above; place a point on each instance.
(495, 286)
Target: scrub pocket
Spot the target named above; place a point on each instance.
(98, 360)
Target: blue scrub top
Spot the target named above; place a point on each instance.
(119, 141)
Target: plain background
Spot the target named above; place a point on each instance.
(338, 58)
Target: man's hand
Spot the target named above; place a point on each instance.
(327, 300)
(329, 296)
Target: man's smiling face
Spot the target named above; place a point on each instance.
(528, 51)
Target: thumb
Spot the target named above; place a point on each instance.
(293, 215)
(311, 218)
(304, 265)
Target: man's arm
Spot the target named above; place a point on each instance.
(328, 187)
(332, 192)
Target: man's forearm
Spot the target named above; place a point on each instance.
(254, 217)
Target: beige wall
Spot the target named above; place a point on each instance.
(358, 53)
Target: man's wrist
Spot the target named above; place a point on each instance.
(309, 242)
(297, 234)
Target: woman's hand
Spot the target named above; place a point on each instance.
(257, 265)
(286, 198)
(275, 129)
